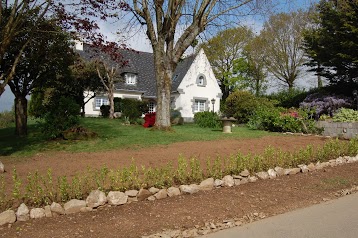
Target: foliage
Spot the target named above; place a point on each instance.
(61, 115)
(207, 119)
(149, 119)
(223, 51)
(324, 104)
(242, 104)
(282, 38)
(40, 189)
(346, 115)
(7, 119)
(332, 42)
(104, 111)
(278, 119)
(289, 98)
(133, 108)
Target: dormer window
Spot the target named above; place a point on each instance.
(131, 79)
(201, 80)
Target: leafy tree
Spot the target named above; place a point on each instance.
(283, 36)
(224, 52)
(45, 58)
(162, 20)
(332, 43)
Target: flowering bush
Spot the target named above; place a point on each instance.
(149, 119)
(324, 104)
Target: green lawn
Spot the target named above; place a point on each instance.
(113, 135)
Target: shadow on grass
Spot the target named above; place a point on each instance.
(10, 143)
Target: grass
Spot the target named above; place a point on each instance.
(113, 135)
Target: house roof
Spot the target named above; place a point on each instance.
(141, 64)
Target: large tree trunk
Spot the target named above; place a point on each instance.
(21, 115)
(164, 72)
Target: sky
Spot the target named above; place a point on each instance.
(138, 40)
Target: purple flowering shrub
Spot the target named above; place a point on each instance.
(324, 104)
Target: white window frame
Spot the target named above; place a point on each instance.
(199, 105)
(131, 79)
(152, 107)
(99, 101)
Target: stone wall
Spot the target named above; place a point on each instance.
(346, 130)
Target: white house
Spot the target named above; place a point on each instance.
(194, 86)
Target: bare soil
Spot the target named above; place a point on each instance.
(269, 197)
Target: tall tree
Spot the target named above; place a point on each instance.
(162, 20)
(283, 36)
(222, 52)
(332, 44)
(47, 56)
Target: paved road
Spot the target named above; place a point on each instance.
(334, 219)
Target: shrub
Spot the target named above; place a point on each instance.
(7, 119)
(346, 115)
(324, 104)
(62, 114)
(207, 119)
(289, 98)
(117, 104)
(104, 110)
(149, 119)
(242, 104)
(175, 117)
(133, 108)
(278, 119)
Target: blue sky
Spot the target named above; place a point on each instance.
(140, 42)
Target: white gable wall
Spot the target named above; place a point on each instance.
(189, 90)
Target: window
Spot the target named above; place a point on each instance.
(151, 106)
(101, 101)
(199, 105)
(131, 79)
(201, 80)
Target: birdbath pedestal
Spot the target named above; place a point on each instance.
(227, 124)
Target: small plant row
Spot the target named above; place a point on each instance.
(39, 189)
(98, 198)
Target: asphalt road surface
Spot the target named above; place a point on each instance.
(333, 219)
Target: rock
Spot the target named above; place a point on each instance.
(37, 213)
(131, 193)
(252, 179)
(116, 198)
(57, 208)
(74, 206)
(47, 210)
(287, 171)
(218, 183)
(2, 168)
(262, 175)
(325, 164)
(352, 160)
(294, 171)
(96, 198)
(228, 181)
(237, 182)
(189, 189)
(86, 209)
(7, 217)
(304, 168)
(23, 213)
(161, 194)
(151, 198)
(271, 173)
(318, 166)
(132, 199)
(237, 177)
(173, 191)
(143, 194)
(154, 190)
(340, 160)
(207, 184)
(245, 173)
(311, 167)
(279, 171)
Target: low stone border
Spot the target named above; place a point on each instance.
(98, 198)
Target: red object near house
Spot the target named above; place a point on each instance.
(149, 119)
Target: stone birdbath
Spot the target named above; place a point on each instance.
(227, 124)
